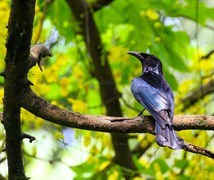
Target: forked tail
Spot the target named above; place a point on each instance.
(168, 137)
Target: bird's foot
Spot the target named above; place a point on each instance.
(141, 113)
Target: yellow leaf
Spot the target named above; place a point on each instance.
(143, 162)
(77, 105)
(103, 165)
(87, 140)
(94, 150)
(151, 14)
(117, 75)
(50, 75)
(185, 86)
(158, 173)
(39, 122)
(113, 176)
(58, 135)
(4, 14)
(138, 178)
(78, 72)
(118, 54)
(64, 81)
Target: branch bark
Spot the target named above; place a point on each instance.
(18, 94)
(18, 48)
(42, 108)
(52, 113)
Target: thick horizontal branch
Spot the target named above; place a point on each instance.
(42, 108)
(52, 113)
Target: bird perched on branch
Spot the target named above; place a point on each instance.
(153, 92)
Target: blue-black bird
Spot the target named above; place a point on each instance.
(153, 92)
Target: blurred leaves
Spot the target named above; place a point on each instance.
(157, 27)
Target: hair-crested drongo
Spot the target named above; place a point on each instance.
(153, 92)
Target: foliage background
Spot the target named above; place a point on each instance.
(178, 32)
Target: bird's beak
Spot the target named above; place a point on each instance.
(136, 54)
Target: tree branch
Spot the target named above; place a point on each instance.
(27, 136)
(198, 94)
(202, 91)
(198, 150)
(52, 113)
(37, 52)
(205, 57)
(42, 108)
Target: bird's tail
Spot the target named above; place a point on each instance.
(168, 137)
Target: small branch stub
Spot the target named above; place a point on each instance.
(27, 136)
(37, 52)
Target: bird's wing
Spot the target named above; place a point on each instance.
(154, 100)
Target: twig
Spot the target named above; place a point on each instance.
(208, 76)
(207, 55)
(3, 159)
(3, 150)
(27, 136)
(198, 150)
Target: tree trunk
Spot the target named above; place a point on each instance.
(15, 78)
(102, 71)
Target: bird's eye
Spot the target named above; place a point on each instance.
(148, 58)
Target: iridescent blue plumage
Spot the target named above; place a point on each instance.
(153, 92)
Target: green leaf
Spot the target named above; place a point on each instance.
(210, 169)
(60, 15)
(54, 92)
(171, 80)
(83, 171)
(181, 163)
(162, 164)
(184, 177)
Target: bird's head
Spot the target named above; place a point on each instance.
(149, 62)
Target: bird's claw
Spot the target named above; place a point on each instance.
(141, 115)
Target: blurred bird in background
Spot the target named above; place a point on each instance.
(153, 92)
